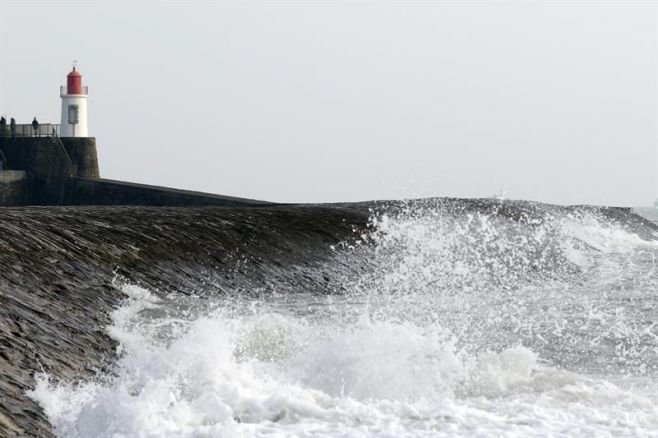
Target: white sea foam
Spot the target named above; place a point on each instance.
(435, 343)
(591, 230)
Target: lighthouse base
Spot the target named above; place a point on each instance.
(82, 151)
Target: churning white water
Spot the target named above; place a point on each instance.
(468, 325)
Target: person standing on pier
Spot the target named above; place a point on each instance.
(12, 127)
(35, 127)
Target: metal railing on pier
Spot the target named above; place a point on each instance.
(27, 130)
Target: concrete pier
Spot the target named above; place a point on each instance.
(50, 170)
(97, 191)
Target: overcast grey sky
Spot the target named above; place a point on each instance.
(319, 101)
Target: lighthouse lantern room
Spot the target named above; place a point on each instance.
(74, 106)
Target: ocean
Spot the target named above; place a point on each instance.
(435, 318)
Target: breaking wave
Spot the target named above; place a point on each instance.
(497, 319)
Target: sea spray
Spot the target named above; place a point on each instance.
(464, 324)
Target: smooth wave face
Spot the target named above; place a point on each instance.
(490, 319)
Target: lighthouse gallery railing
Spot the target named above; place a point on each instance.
(63, 91)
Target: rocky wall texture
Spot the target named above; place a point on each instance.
(46, 162)
(14, 188)
(82, 151)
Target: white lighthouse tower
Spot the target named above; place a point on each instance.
(74, 106)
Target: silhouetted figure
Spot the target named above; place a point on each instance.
(12, 127)
(3, 127)
(35, 127)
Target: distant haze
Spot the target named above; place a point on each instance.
(320, 101)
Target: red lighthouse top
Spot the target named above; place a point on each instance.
(74, 82)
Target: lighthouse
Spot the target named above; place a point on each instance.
(74, 106)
